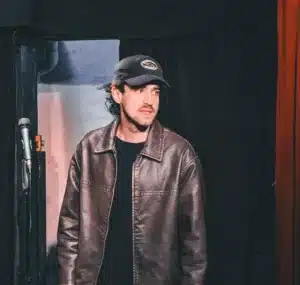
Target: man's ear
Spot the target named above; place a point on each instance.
(116, 94)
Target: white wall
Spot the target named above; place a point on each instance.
(68, 109)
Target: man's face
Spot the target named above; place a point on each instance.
(139, 105)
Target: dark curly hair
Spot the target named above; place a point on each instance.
(111, 105)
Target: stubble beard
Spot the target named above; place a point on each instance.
(135, 123)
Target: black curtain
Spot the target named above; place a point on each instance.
(223, 100)
(7, 153)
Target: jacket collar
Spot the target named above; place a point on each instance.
(153, 147)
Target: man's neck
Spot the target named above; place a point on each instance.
(130, 133)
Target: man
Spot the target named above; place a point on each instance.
(133, 210)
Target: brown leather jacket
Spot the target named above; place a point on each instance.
(168, 221)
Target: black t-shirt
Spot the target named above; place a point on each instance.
(117, 264)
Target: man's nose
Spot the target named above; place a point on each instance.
(148, 98)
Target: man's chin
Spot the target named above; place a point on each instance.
(143, 125)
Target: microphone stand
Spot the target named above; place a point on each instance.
(25, 224)
(31, 218)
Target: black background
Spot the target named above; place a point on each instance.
(220, 58)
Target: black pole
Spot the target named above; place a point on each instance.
(40, 211)
(26, 107)
(7, 154)
(31, 196)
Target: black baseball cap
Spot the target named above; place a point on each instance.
(137, 70)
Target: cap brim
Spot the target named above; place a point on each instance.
(144, 79)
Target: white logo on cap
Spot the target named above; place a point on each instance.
(149, 64)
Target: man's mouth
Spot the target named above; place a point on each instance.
(148, 111)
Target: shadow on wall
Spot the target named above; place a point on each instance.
(63, 71)
(89, 62)
(51, 270)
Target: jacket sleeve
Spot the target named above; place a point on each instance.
(191, 224)
(68, 226)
